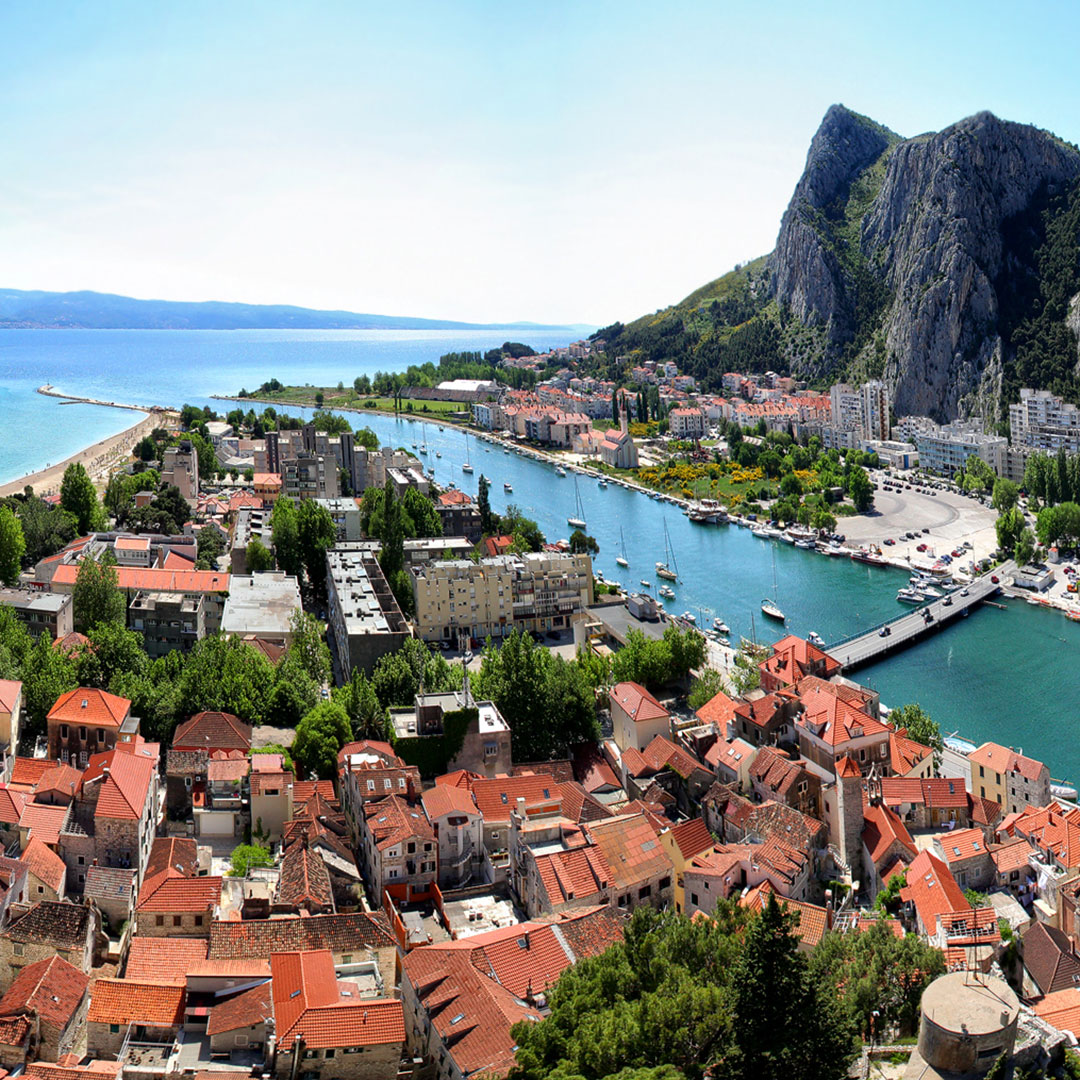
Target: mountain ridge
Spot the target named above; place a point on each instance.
(947, 263)
(88, 310)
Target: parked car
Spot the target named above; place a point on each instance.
(994, 578)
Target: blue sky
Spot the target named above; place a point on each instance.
(549, 161)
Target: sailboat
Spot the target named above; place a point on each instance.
(621, 559)
(579, 521)
(467, 467)
(664, 569)
(769, 607)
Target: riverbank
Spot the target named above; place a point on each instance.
(98, 458)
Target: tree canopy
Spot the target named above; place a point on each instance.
(319, 737)
(12, 546)
(78, 497)
(96, 597)
(656, 664)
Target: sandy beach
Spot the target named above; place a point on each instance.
(98, 459)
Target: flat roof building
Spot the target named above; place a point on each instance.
(365, 620)
(42, 612)
(262, 605)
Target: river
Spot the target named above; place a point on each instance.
(1007, 676)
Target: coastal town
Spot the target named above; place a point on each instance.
(315, 766)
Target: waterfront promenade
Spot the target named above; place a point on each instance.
(913, 625)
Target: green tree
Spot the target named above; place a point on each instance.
(226, 674)
(1025, 547)
(483, 504)
(46, 674)
(419, 516)
(583, 544)
(96, 597)
(1009, 526)
(319, 737)
(285, 531)
(366, 438)
(860, 489)
(362, 385)
(316, 533)
(209, 548)
(47, 529)
(12, 546)
(920, 727)
(114, 650)
(745, 672)
(246, 856)
(547, 702)
(78, 497)
(1006, 494)
(308, 647)
(706, 686)
(398, 676)
(359, 700)
(259, 558)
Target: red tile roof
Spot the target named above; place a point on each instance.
(125, 783)
(28, 771)
(905, 754)
(306, 789)
(719, 710)
(132, 578)
(827, 716)
(637, 702)
(163, 960)
(14, 1030)
(304, 880)
(592, 770)
(932, 889)
(71, 642)
(776, 772)
(90, 706)
(171, 891)
(44, 821)
(495, 798)
(692, 837)
(308, 1005)
(172, 852)
(9, 694)
(881, 829)
(794, 657)
(247, 1009)
(52, 988)
(260, 938)
(1014, 855)
(124, 1001)
(662, 753)
(12, 802)
(392, 821)
(631, 849)
(1004, 759)
(444, 799)
(1061, 1009)
(813, 920)
(44, 864)
(962, 844)
(212, 731)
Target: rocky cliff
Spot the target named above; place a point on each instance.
(947, 263)
(934, 234)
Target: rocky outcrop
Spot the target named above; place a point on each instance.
(933, 236)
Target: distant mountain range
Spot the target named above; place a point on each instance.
(105, 311)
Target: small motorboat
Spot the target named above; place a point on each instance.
(720, 626)
(507, 486)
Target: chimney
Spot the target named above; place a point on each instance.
(520, 806)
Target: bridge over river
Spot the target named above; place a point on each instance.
(912, 625)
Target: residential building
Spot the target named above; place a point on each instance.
(214, 732)
(731, 760)
(668, 767)
(242, 1022)
(485, 740)
(180, 469)
(370, 770)
(968, 857)
(1008, 778)
(46, 874)
(50, 928)
(398, 849)
(636, 716)
(122, 1009)
(462, 998)
(11, 708)
(1050, 960)
(775, 775)
(887, 848)
(459, 829)
(310, 476)
(321, 1022)
(304, 883)
(87, 721)
(345, 514)
(948, 449)
(271, 786)
(262, 605)
(556, 865)
(931, 890)
(168, 622)
(538, 591)
(365, 620)
(686, 423)
(459, 514)
(727, 869)
(174, 901)
(683, 843)
(1043, 421)
(833, 724)
(50, 998)
(794, 659)
(41, 612)
(497, 798)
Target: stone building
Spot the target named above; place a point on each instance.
(51, 997)
(119, 1008)
(87, 721)
(50, 928)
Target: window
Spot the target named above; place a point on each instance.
(159, 920)
(82, 734)
(665, 883)
(114, 1028)
(330, 1053)
(18, 949)
(644, 891)
(177, 920)
(693, 899)
(100, 734)
(346, 958)
(982, 771)
(41, 890)
(198, 920)
(63, 731)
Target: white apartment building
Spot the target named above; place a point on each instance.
(863, 411)
(948, 449)
(1042, 421)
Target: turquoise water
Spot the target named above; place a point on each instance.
(171, 367)
(1002, 675)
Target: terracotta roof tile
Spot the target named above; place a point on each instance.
(125, 1001)
(260, 938)
(9, 694)
(52, 922)
(163, 960)
(444, 799)
(14, 1030)
(692, 837)
(1049, 958)
(28, 771)
(247, 1009)
(393, 821)
(637, 702)
(53, 988)
(304, 880)
(173, 892)
(497, 797)
(212, 731)
(132, 578)
(1061, 1009)
(44, 821)
(90, 706)
(932, 889)
(125, 783)
(881, 829)
(962, 844)
(45, 864)
(813, 920)
(631, 849)
(561, 771)
(12, 802)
